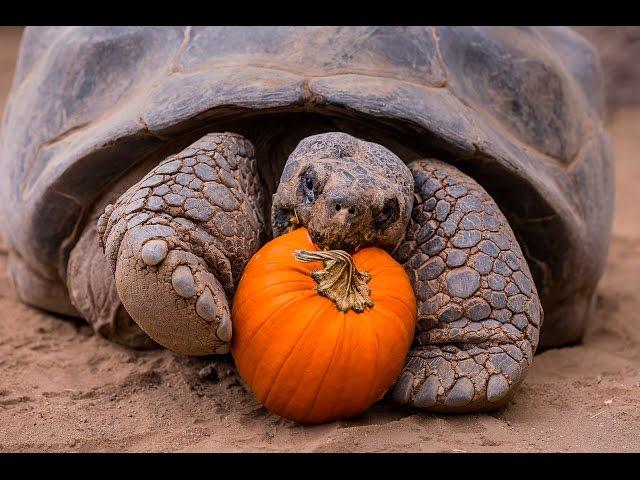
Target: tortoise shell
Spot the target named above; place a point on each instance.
(519, 109)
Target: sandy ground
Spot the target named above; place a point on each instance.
(64, 389)
(9, 38)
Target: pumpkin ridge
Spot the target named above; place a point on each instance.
(352, 330)
(374, 383)
(273, 286)
(387, 314)
(268, 320)
(288, 357)
(289, 242)
(348, 347)
(339, 340)
(238, 307)
(379, 270)
(388, 295)
(293, 396)
(242, 304)
(371, 258)
(379, 288)
(282, 268)
(401, 335)
(278, 263)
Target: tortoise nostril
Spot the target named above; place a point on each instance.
(388, 214)
(341, 204)
(339, 207)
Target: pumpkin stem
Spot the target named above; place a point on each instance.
(339, 281)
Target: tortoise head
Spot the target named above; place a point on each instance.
(347, 192)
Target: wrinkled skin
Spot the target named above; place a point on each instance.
(348, 193)
(479, 314)
(519, 109)
(177, 242)
(478, 310)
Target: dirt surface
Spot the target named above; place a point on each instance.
(9, 41)
(64, 389)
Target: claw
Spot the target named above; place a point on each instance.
(461, 393)
(183, 281)
(205, 306)
(224, 330)
(154, 252)
(427, 394)
(497, 388)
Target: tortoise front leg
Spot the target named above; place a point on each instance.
(177, 242)
(92, 291)
(478, 309)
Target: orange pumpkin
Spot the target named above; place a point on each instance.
(302, 356)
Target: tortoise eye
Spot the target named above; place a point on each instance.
(310, 185)
(388, 214)
(309, 193)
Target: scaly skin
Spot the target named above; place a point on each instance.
(347, 192)
(479, 314)
(177, 242)
(92, 291)
(478, 310)
(179, 239)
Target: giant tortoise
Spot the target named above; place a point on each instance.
(144, 166)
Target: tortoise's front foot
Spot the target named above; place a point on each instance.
(178, 240)
(171, 292)
(468, 378)
(478, 309)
